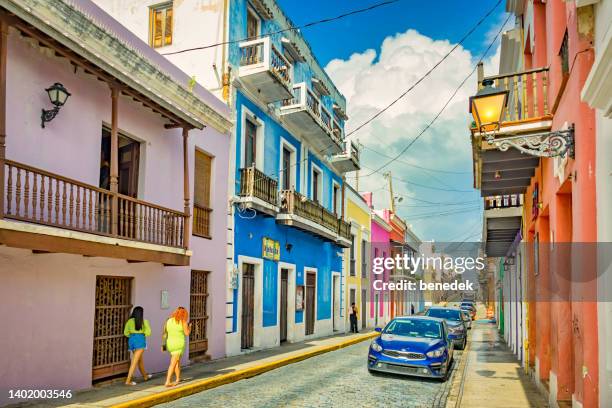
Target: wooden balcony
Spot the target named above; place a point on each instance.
(348, 160)
(308, 215)
(264, 70)
(258, 191)
(305, 113)
(58, 214)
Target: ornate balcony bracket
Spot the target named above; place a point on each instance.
(546, 144)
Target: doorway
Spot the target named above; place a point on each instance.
(128, 164)
(112, 310)
(248, 305)
(283, 304)
(198, 339)
(376, 310)
(311, 280)
(336, 303)
(363, 308)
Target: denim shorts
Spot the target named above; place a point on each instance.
(137, 341)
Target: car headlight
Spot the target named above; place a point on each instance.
(455, 329)
(375, 346)
(436, 353)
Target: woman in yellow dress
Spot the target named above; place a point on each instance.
(173, 339)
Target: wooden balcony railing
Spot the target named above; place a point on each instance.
(528, 94)
(296, 204)
(41, 197)
(201, 221)
(503, 201)
(254, 183)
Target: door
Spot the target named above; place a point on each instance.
(250, 144)
(248, 305)
(112, 310)
(335, 303)
(310, 302)
(286, 169)
(198, 339)
(376, 310)
(363, 308)
(283, 304)
(129, 157)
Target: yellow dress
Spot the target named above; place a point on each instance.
(175, 342)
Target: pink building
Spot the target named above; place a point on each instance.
(118, 201)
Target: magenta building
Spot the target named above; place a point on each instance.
(117, 201)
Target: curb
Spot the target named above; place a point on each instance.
(456, 392)
(222, 379)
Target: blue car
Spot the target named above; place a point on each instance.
(415, 345)
(457, 330)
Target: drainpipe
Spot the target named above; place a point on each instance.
(3, 45)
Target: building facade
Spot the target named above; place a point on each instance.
(114, 199)
(288, 158)
(357, 258)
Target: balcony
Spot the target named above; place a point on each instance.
(502, 222)
(264, 70)
(58, 214)
(304, 111)
(348, 160)
(258, 191)
(308, 215)
(527, 113)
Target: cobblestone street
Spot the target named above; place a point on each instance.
(338, 379)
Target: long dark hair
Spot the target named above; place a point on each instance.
(137, 313)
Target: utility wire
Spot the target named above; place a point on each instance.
(292, 28)
(403, 94)
(406, 163)
(396, 157)
(424, 185)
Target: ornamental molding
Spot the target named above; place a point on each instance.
(558, 143)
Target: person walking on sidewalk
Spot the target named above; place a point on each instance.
(173, 341)
(353, 318)
(137, 329)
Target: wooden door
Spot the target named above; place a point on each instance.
(310, 302)
(198, 339)
(283, 304)
(129, 162)
(286, 168)
(248, 305)
(112, 310)
(363, 308)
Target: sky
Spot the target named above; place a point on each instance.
(372, 58)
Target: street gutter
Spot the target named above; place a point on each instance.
(216, 381)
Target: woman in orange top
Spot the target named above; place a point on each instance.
(173, 340)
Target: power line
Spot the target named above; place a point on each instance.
(426, 186)
(446, 104)
(465, 36)
(417, 166)
(292, 28)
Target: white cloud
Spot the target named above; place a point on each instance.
(371, 80)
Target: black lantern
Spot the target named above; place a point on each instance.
(58, 95)
(487, 106)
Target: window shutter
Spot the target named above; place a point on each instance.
(203, 170)
(168, 31)
(157, 28)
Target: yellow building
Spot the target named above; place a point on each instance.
(357, 259)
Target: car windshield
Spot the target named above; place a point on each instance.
(414, 328)
(448, 314)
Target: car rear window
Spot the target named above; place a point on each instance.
(448, 314)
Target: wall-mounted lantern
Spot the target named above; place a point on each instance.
(58, 95)
(487, 106)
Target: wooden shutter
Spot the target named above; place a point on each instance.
(203, 170)
(156, 28)
(168, 29)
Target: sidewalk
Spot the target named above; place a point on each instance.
(493, 377)
(205, 375)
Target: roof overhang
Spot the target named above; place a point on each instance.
(320, 86)
(262, 9)
(506, 172)
(292, 50)
(340, 112)
(74, 35)
(500, 233)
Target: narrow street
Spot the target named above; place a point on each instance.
(338, 378)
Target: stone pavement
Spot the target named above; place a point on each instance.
(493, 377)
(110, 394)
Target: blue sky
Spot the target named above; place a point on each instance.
(372, 57)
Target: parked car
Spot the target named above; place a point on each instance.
(414, 345)
(467, 319)
(469, 306)
(456, 328)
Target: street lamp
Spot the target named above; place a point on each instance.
(487, 106)
(58, 95)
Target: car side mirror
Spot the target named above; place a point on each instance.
(378, 329)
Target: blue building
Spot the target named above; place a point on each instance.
(288, 206)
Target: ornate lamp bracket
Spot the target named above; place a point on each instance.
(546, 144)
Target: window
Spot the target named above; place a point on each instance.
(316, 185)
(364, 258)
(201, 194)
(564, 54)
(250, 143)
(252, 24)
(336, 198)
(160, 25)
(287, 166)
(352, 255)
